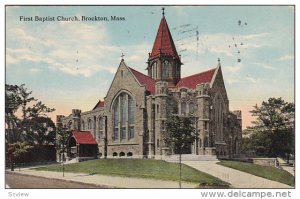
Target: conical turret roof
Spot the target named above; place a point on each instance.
(163, 44)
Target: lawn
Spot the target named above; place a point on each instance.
(141, 168)
(270, 173)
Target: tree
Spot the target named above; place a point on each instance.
(21, 113)
(12, 103)
(181, 134)
(16, 151)
(273, 131)
(62, 138)
(42, 130)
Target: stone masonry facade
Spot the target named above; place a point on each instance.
(131, 120)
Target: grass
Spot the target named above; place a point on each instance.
(268, 172)
(141, 168)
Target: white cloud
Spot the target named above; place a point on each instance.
(233, 69)
(266, 66)
(232, 81)
(34, 70)
(286, 57)
(72, 48)
(251, 79)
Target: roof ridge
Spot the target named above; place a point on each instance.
(199, 73)
(140, 73)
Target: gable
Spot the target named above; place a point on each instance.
(145, 80)
(217, 84)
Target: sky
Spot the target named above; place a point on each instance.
(71, 65)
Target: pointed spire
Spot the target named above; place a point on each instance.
(164, 44)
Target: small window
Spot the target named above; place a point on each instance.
(122, 154)
(157, 144)
(191, 107)
(205, 125)
(163, 126)
(115, 154)
(183, 108)
(166, 67)
(129, 154)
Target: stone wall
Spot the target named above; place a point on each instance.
(265, 161)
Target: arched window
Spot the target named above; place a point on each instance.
(205, 141)
(124, 110)
(131, 117)
(89, 123)
(166, 66)
(100, 136)
(191, 107)
(183, 107)
(154, 70)
(82, 125)
(94, 126)
(122, 154)
(116, 120)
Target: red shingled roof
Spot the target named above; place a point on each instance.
(83, 137)
(193, 80)
(144, 80)
(163, 43)
(100, 104)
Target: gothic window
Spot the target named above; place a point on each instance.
(191, 107)
(94, 126)
(166, 66)
(131, 117)
(116, 120)
(206, 142)
(219, 118)
(100, 136)
(183, 108)
(163, 125)
(82, 125)
(89, 123)
(154, 70)
(205, 125)
(123, 114)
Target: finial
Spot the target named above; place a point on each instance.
(219, 62)
(163, 11)
(122, 57)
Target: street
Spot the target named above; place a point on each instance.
(20, 181)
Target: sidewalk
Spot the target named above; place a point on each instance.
(109, 181)
(236, 178)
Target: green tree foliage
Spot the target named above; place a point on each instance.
(16, 150)
(25, 115)
(273, 131)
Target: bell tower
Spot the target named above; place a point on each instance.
(164, 64)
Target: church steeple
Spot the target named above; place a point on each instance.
(164, 62)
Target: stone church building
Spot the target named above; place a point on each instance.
(130, 121)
